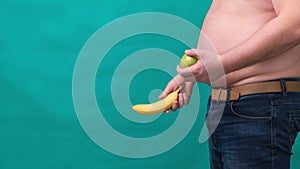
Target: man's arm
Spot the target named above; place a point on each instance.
(276, 37)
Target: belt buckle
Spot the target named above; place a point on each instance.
(219, 94)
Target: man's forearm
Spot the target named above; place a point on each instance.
(276, 37)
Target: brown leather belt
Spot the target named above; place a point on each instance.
(253, 88)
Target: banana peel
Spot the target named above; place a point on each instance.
(159, 106)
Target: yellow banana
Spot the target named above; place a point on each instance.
(159, 106)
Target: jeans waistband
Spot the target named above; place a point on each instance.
(283, 85)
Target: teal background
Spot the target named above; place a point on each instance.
(39, 45)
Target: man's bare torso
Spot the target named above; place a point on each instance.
(229, 23)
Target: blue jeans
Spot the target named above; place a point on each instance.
(254, 132)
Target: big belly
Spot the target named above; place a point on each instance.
(224, 32)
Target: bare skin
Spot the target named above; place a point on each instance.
(255, 41)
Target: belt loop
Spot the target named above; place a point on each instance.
(228, 94)
(283, 87)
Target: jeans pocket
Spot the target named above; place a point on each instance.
(252, 109)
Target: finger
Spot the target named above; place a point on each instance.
(180, 100)
(169, 88)
(190, 52)
(205, 54)
(186, 98)
(164, 93)
(175, 106)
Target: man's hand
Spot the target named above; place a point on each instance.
(186, 80)
(208, 69)
(196, 72)
(183, 96)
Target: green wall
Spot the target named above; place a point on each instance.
(40, 43)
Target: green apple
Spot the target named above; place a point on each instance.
(187, 61)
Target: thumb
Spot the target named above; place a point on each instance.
(190, 52)
(172, 86)
(169, 88)
(164, 94)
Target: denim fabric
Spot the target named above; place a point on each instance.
(254, 132)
